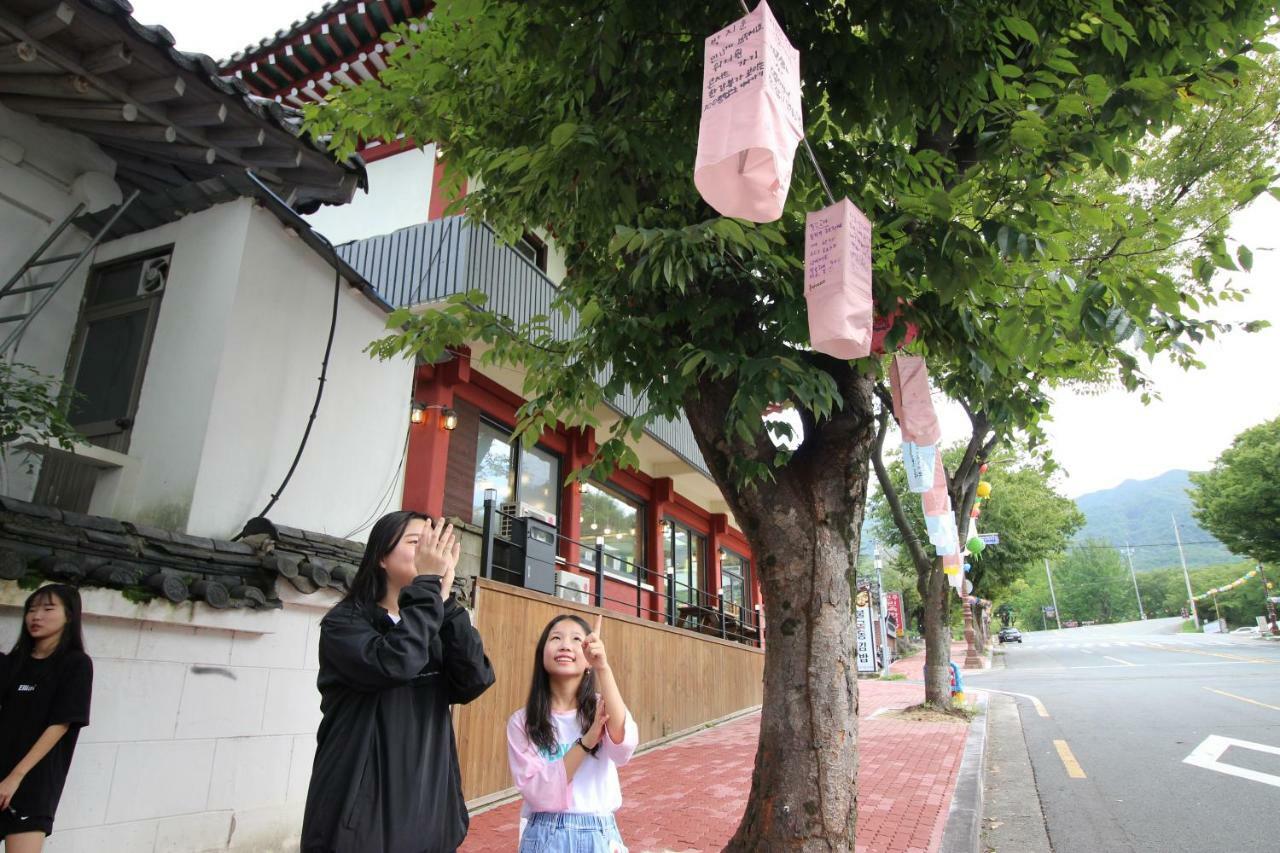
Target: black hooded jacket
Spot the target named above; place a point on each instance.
(386, 777)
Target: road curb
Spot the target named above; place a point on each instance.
(963, 830)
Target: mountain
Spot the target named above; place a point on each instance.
(1141, 512)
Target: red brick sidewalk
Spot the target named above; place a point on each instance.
(690, 795)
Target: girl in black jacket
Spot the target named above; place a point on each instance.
(45, 686)
(394, 655)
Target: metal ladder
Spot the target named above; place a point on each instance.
(49, 289)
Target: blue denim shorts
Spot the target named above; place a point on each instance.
(558, 832)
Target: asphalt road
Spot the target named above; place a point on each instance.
(1116, 713)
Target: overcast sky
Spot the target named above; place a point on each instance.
(1100, 440)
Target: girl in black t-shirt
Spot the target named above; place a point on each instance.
(45, 685)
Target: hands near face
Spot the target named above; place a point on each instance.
(591, 738)
(437, 553)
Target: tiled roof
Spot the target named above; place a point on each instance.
(181, 132)
(340, 43)
(42, 542)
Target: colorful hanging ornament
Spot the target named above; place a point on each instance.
(837, 280)
(751, 120)
(975, 545)
(982, 469)
(984, 489)
(912, 404)
(975, 512)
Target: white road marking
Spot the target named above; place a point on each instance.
(1117, 660)
(1208, 753)
(1039, 706)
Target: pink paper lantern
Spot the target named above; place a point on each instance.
(837, 280)
(909, 382)
(937, 501)
(751, 120)
(881, 328)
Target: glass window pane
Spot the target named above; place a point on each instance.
(618, 521)
(684, 583)
(540, 480)
(495, 469)
(108, 367)
(115, 283)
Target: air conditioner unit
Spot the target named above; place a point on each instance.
(520, 510)
(152, 276)
(571, 587)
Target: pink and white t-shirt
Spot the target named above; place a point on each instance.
(541, 778)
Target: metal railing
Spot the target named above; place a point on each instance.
(697, 610)
(434, 260)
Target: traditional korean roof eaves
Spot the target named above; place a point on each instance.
(169, 117)
(339, 45)
(43, 543)
(341, 42)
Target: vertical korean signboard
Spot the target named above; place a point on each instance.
(865, 641)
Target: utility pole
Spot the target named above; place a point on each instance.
(1191, 598)
(1057, 617)
(1128, 552)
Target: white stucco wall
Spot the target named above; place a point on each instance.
(265, 389)
(35, 195)
(175, 402)
(202, 728)
(399, 195)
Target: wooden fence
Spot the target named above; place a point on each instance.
(671, 679)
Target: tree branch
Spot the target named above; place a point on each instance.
(922, 561)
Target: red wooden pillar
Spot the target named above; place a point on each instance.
(661, 493)
(428, 453)
(715, 579)
(582, 448)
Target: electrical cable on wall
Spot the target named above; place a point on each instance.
(315, 407)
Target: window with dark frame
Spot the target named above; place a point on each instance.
(113, 339)
(686, 554)
(616, 519)
(105, 367)
(534, 249)
(735, 578)
(519, 475)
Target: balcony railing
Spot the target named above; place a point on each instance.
(432, 261)
(678, 605)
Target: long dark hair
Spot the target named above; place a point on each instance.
(72, 633)
(370, 583)
(537, 709)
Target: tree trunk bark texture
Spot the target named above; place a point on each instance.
(935, 592)
(803, 529)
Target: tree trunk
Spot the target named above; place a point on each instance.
(803, 529)
(935, 592)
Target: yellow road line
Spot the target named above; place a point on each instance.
(1243, 699)
(1074, 770)
(1117, 660)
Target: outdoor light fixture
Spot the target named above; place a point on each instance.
(418, 414)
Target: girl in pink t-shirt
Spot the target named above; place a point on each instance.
(566, 745)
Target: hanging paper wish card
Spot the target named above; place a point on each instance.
(918, 459)
(909, 383)
(837, 280)
(936, 501)
(751, 120)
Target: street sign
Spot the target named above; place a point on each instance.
(989, 538)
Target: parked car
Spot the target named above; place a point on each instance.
(1010, 635)
(1248, 631)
